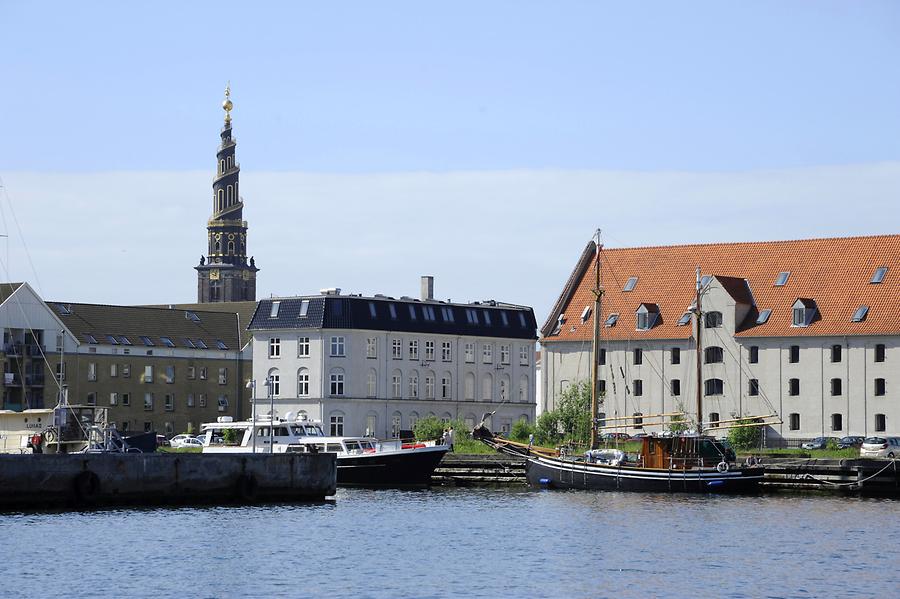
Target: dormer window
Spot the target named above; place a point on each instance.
(304, 308)
(804, 311)
(273, 313)
(713, 320)
(612, 319)
(630, 283)
(763, 317)
(647, 315)
(879, 275)
(860, 314)
(782, 279)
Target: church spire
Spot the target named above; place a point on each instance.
(226, 275)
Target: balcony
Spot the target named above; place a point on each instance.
(12, 350)
(11, 379)
(34, 380)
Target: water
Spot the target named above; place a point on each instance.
(464, 543)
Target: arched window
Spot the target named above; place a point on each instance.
(218, 246)
(713, 355)
(396, 422)
(714, 387)
(487, 387)
(372, 383)
(221, 166)
(446, 385)
(396, 384)
(414, 384)
(371, 424)
(470, 386)
(446, 417)
(413, 419)
(221, 199)
(504, 387)
(229, 196)
(524, 417)
(231, 248)
(274, 379)
(523, 388)
(713, 320)
(429, 385)
(303, 382)
(470, 421)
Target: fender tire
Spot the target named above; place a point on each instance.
(722, 467)
(86, 486)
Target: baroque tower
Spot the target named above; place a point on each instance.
(225, 275)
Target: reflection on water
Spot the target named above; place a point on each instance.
(465, 542)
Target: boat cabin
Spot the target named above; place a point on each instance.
(684, 452)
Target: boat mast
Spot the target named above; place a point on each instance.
(595, 347)
(699, 350)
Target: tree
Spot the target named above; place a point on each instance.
(745, 437)
(521, 430)
(547, 429)
(678, 424)
(575, 412)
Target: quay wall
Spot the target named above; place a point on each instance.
(43, 480)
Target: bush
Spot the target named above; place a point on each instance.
(547, 429)
(575, 412)
(521, 430)
(745, 437)
(429, 428)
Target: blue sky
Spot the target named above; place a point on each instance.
(521, 107)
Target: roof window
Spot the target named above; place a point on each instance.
(487, 318)
(304, 308)
(763, 316)
(630, 283)
(372, 311)
(522, 320)
(412, 312)
(704, 281)
(612, 319)
(471, 316)
(147, 341)
(64, 309)
(804, 311)
(860, 314)
(428, 311)
(188, 343)
(585, 314)
(200, 344)
(647, 315)
(393, 310)
(124, 340)
(447, 314)
(112, 339)
(90, 338)
(191, 316)
(782, 279)
(167, 341)
(274, 312)
(685, 319)
(879, 274)
(221, 344)
(504, 318)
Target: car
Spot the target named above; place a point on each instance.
(850, 442)
(880, 447)
(614, 436)
(639, 436)
(161, 441)
(177, 439)
(819, 443)
(190, 442)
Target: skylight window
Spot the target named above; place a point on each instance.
(274, 312)
(188, 343)
(630, 283)
(412, 312)
(782, 279)
(487, 318)
(471, 316)
(192, 316)
(124, 340)
(585, 314)
(860, 314)
(879, 274)
(763, 316)
(611, 320)
(64, 309)
(147, 341)
(393, 310)
(704, 281)
(504, 318)
(167, 341)
(428, 312)
(685, 319)
(200, 343)
(112, 339)
(447, 314)
(522, 320)
(372, 311)
(90, 338)
(304, 308)
(221, 344)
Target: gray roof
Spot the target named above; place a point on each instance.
(183, 327)
(381, 313)
(244, 310)
(7, 289)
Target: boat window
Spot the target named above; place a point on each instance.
(333, 448)
(314, 431)
(352, 445)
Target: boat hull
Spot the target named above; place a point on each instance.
(566, 474)
(403, 468)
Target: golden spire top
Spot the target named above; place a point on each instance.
(226, 103)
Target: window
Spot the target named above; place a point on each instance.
(395, 425)
(880, 423)
(190, 400)
(147, 341)
(188, 343)
(638, 421)
(611, 320)
(585, 314)
(469, 387)
(148, 374)
(304, 308)
(61, 371)
(523, 387)
(148, 427)
(414, 349)
(170, 374)
(638, 387)
(447, 314)
(302, 347)
(685, 319)
(471, 316)
(713, 419)
(303, 382)
(447, 352)
(763, 317)
(714, 387)
(754, 387)
(794, 421)
(835, 386)
(647, 314)
(470, 353)
(878, 277)
(372, 312)
(487, 386)
(713, 320)
(836, 352)
(445, 386)
(837, 422)
(396, 384)
(112, 339)
(113, 370)
(91, 399)
(601, 385)
(879, 387)
(90, 338)
(601, 356)
(392, 310)
(113, 398)
(413, 385)
(336, 423)
(804, 312)
(170, 402)
(221, 344)
(794, 387)
(754, 354)
(223, 376)
(630, 283)
(879, 352)
(429, 351)
(337, 346)
(192, 373)
(860, 314)
(274, 383)
(638, 355)
(203, 373)
(371, 348)
(412, 312)
(222, 403)
(273, 312)
(794, 354)
(167, 341)
(523, 355)
(429, 386)
(336, 384)
(92, 371)
(676, 355)
(201, 399)
(397, 349)
(782, 279)
(675, 386)
(504, 354)
(704, 281)
(148, 401)
(713, 355)
(275, 347)
(487, 353)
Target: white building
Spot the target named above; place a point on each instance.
(808, 330)
(380, 364)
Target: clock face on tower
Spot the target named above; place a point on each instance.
(214, 274)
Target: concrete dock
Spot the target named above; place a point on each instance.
(48, 480)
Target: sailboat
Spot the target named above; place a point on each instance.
(684, 462)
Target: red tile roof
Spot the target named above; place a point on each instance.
(835, 272)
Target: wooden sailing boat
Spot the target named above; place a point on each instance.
(690, 462)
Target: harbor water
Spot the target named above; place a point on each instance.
(448, 542)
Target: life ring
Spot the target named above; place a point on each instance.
(722, 467)
(50, 435)
(87, 486)
(246, 488)
(751, 461)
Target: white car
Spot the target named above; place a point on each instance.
(880, 447)
(184, 441)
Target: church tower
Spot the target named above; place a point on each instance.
(225, 275)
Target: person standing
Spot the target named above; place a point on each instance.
(449, 437)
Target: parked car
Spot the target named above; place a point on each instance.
(880, 447)
(177, 439)
(850, 442)
(639, 436)
(614, 436)
(819, 443)
(185, 441)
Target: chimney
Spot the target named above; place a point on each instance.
(427, 288)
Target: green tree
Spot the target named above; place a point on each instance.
(521, 430)
(429, 428)
(575, 412)
(547, 429)
(678, 424)
(745, 437)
